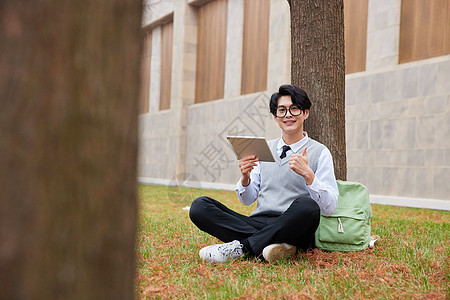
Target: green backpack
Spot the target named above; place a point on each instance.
(348, 229)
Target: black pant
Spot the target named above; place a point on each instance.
(296, 226)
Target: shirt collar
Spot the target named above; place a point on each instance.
(296, 146)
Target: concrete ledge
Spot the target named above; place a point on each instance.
(374, 199)
(192, 184)
(153, 181)
(411, 202)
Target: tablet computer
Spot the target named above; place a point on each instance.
(249, 145)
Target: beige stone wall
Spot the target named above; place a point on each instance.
(397, 116)
(158, 137)
(279, 71)
(398, 129)
(383, 29)
(209, 155)
(195, 131)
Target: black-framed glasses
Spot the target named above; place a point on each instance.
(293, 109)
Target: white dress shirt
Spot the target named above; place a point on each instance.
(323, 189)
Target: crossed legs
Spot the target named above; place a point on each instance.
(296, 226)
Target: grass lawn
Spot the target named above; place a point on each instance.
(411, 260)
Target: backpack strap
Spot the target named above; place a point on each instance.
(373, 239)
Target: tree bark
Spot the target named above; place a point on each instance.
(318, 66)
(69, 75)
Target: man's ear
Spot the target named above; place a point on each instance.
(306, 113)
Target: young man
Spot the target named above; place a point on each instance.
(290, 192)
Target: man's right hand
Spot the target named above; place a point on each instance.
(246, 165)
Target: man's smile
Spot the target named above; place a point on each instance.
(289, 122)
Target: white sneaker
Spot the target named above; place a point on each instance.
(276, 252)
(222, 252)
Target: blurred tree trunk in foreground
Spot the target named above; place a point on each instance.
(318, 66)
(69, 75)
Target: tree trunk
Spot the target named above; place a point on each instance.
(317, 66)
(69, 75)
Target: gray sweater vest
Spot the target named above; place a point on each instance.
(280, 185)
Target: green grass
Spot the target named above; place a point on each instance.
(409, 261)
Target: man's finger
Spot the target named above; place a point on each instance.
(247, 166)
(304, 151)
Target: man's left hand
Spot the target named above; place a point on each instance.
(299, 164)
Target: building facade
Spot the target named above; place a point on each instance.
(209, 68)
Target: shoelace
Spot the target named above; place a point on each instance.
(228, 249)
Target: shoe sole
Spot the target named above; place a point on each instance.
(280, 252)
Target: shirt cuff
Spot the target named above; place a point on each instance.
(240, 188)
(315, 185)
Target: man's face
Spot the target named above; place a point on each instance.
(290, 124)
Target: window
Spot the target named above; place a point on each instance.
(355, 21)
(211, 47)
(166, 65)
(145, 73)
(255, 46)
(424, 29)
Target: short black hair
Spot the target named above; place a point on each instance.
(298, 97)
